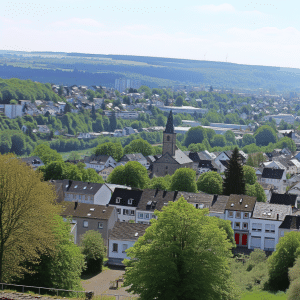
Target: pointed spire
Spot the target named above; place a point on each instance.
(170, 125)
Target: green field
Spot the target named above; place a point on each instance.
(263, 295)
(82, 153)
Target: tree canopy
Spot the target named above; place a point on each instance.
(182, 255)
(195, 135)
(249, 175)
(132, 174)
(113, 149)
(184, 179)
(46, 154)
(256, 190)
(26, 213)
(265, 135)
(210, 183)
(139, 146)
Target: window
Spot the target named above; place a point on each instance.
(79, 197)
(124, 248)
(256, 227)
(118, 200)
(269, 228)
(168, 138)
(118, 210)
(246, 215)
(115, 247)
(125, 211)
(153, 216)
(245, 226)
(238, 214)
(130, 201)
(231, 214)
(100, 225)
(272, 228)
(92, 198)
(147, 216)
(237, 225)
(132, 212)
(197, 205)
(141, 216)
(85, 224)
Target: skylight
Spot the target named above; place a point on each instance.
(75, 187)
(136, 234)
(92, 209)
(84, 187)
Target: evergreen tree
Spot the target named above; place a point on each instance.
(234, 182)
(113, 122)
(103, 105)
(67, 108)
(93, 112)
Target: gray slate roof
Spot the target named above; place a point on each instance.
(272, 173)
(80, 187)
(127, 231)
(219, 204)
(181, 158)
(133, 157)
(88, 211)
(247, 204)
(269, 211)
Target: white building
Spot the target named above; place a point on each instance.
(98, 163)
(184, 109)
(122, 237)
(276, 177)
(264, 225)
(12, 110)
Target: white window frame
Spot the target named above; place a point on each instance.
(238, 215)
(132, 212)
(130, 201)
(141, 216)
(118, 211)
(100, 225)
(118, 199)
(124, 248)
(115, 247)
(246, 215)
(85, 224)
(230, 214)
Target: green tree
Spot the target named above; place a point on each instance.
(265, 135)
(234, 182)
(283, 258)
(46, 154)
(93, 112)
(179, 101)
(158, 183)
(248, 139)
(139, 146)
(112, 122)
(132, 174)
(184, 180)
(112, 149)
(294, 277)
(256, 190)
(67, 108)
(210, 183)
(74, 156)
(195, 135)
(94, 251)
(54, 170)
(182, 255)
(26, 212)
(230, 137)
(61, 266)
(218, 141)
(249, 175)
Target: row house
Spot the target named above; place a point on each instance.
(126, 202)
(239, 210)
(99, 162)
(264, 224)
(85, 217)
(276, 177)
(138, 157)
(85, 192)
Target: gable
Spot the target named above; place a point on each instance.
(166, 158)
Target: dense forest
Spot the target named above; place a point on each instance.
(88, 69)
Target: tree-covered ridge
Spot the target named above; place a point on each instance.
(91, 69)
(18, 89)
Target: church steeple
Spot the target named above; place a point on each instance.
(170, 125)
(169, 137)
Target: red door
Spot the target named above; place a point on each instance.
(244, 239)
(237, 238)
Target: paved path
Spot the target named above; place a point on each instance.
(100, 284)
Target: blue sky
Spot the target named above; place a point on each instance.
(244, 32)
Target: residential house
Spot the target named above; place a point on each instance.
(290, 223)
(84, 135)
(238, 210)
(11, 110)
(275, 177)
(122, 237)
(105, 172)
(43, 128)
(139, 157)
(264, 224)
(99, 162)
(284, 199)
(85, 192)
(100, 218)
(218, 206)
(126, 202)
(128, 131)
(33, 161)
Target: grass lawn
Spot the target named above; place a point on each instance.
(263, 295)
(82, 153)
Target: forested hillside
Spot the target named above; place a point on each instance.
(89, 69)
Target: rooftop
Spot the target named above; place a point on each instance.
(241, 203)
(271, 211)
(127, 231)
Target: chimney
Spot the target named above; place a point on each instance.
(75, 206)
(277, 217)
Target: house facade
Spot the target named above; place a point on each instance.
(99, 162)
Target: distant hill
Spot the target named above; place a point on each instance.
(90, 69)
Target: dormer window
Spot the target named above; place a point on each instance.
(118, 200)
(130, 201)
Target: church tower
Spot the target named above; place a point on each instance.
(169, 137)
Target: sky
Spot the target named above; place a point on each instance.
(244, 32)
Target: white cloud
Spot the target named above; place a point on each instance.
(212, 8)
